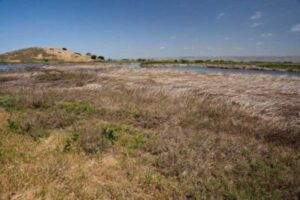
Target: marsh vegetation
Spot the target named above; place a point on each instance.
(290, 66)
(109, 133)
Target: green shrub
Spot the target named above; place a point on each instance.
(68, 146)
(138, 140)
(110, 134)
(13, 125)
(7, 101)
(101, 57)
(26, 128)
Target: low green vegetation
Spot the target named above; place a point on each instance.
(222, 63)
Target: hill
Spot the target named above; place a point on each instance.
(37, 54)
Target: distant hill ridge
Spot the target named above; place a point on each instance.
(39, 54)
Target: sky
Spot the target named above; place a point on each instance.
(153, 28)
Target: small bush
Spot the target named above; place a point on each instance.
(101, 57)
(94, 57)
(110, 134)
(13, 125)
(65, 49)
(68, 146)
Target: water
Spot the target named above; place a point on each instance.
(18, 67)
(210, 70)
(199, 69)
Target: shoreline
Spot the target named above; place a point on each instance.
(150, 65)
(220, 66)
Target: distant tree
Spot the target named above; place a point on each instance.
(88, 54)
(101, 57)
(94, 57)
(78, 53)
(141, 60)
(183, 61)
(65, 49)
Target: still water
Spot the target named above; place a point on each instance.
(210, 70)
(198, 69)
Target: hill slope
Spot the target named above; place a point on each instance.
(36, 54)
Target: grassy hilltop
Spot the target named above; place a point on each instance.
(37, 54)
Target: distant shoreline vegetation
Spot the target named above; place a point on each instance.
(259, 65)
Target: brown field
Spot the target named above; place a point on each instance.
(104, 132)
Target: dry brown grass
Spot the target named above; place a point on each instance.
(124, 134)
(38, 54)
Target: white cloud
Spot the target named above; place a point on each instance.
(295, 28)
(256, 24)
(173, 37)
(267, 35)
(256, 15)
(220, 15)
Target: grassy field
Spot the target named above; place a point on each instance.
(103, 133)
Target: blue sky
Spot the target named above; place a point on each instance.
(154, 28)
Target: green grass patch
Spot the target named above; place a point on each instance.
(93, 138)
(7, 101)
(79, 108)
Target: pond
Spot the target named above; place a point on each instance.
(198, 69)
(212, 70)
